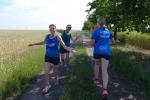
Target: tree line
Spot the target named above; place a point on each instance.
(121, 15)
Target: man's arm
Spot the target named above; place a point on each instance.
(76, 38)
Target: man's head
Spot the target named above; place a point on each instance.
(52, 28)
(68, 27)
(101, 21)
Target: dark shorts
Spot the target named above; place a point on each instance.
(99, 56)
(53, 60)
(62, 51)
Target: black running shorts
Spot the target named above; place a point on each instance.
(99, 56)
(53, 60)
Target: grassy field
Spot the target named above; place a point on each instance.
(14, 42)
(16, 74)
(18, 62)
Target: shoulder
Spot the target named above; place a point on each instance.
(64, 31)
(96, 31)
(107, 30)
(58, 35)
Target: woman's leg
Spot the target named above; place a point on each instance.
(56, 73)
(47, 68)
(67, 58)
(46, 72)
(62, 59)
(104, 65)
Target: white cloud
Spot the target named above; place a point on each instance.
(40, 13)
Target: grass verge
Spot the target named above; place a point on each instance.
(133, 65)
(16, 73)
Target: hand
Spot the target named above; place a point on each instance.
(30, 44)
(73, 51)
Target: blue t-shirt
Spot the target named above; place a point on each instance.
(52, 46)
(102, 38)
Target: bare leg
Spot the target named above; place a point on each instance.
(65, 60)
(56, 73)
(62, 59)
(105, 72)
(46, 72)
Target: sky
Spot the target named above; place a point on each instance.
(38, 14)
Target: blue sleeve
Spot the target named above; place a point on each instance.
(93, 37)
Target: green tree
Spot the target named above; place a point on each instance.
(124, 14)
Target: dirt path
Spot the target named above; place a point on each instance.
(35, 91)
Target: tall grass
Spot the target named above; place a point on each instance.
(135, 39)
(15, 74)
(14, 42)
(18, 62)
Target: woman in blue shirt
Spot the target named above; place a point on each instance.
(100, 39)
(52, 54)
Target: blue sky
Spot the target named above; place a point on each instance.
(38, 14)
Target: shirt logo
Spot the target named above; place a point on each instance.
(50, 45)
(104, 34)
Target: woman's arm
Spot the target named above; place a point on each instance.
(63, 44)
(112, 41)
(90, 42)
(38, 43)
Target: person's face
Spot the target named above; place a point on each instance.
(68, 29)
(52, 29)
